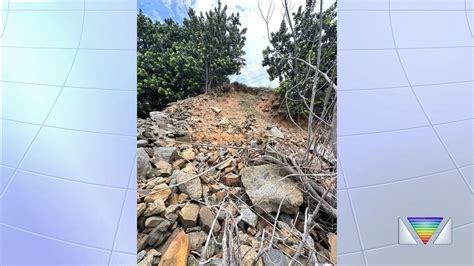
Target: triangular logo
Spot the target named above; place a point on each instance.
(445, 236)
(404, 235)
(425, 227)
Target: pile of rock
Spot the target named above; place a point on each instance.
(186, 195)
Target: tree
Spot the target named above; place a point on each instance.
(295, 43)
(176, 61)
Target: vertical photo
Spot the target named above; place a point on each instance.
(236, 132)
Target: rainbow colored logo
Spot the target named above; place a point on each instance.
(425, 227)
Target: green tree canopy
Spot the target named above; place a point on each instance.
(300, 40)
(176, 61)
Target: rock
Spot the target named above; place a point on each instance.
(188, 215)
(154, 208)
(167, 154)
(143, 164)
(231, 179)
(247, 255)
(192, 261)
(206, 218)
(158, 116)
(178, 251)
(164, 168)
(142, 143)
(277, 133)
(142, 241)
(192, 187)
(275, 257)
(149, 258)
(224, 122)
(162, 191)
(140, 209)
(188, 155)
(216, 110)
(226, 164)
(179, 163)
(197, 239)
(155, 182)
(153, 221)
(156, 237)
(141, 255)
(248, 216)
(266, 188)
(189, 169)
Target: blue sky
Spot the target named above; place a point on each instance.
(253, 74)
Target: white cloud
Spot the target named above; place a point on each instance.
(253, 73)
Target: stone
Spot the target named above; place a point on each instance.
(224, 122)
(143, 164)
(141, 255)
(231, 179)
(247, 255)
(277, 133)
(142, 143)
(192, 187)
(189, 169)
(140, 209)
(188, 155)
(179, 163)
(267, 188)
(149, 258)
(216, 109)
(248, 216)
(155, 182)
(158, 116)
(275, 257)
(188, 215)
(167, 154)
(154, 208)
(156, 237)
(153, 221)
(206, 218)
(142, 241)
(197, 239)
(178, 251)
(163, 168)
(162, 191)
(192, 261)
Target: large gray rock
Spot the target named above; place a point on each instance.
(266, 188)
(191, 187)
(144, 168)
(276, 258)
(167, 154)
(158, 116)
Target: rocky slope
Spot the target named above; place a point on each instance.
(205, 195)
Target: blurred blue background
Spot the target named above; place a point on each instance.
(68, 123)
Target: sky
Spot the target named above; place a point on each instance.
(253, 74)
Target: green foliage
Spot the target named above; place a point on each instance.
(176, 61)
(302, 42)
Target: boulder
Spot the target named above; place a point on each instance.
(188, 215)
(167, 154)
(206, 218)
(192, 187)
(276, 257)
(247, 255)
(158, 116)
(277, 133)
(143, 164)
(163, 168)
(149, 258)
(266, 188)
(247, 216)
(178, 251)
(188, 155)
